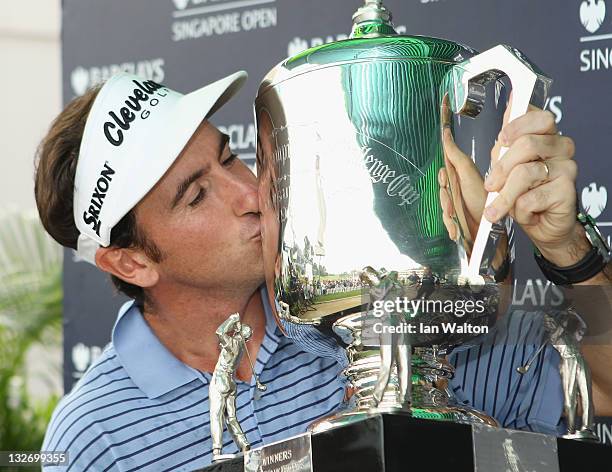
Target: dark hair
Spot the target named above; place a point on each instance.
(56, 162)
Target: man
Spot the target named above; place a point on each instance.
(135, 177)
(181, 237)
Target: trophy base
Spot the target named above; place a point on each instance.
(582, 435)
(397, 443)
(344, 418)
(428, 401)
(454, 414)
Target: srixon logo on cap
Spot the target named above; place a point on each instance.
(122, 119)
(92, 215)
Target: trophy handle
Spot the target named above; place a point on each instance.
(529, 87)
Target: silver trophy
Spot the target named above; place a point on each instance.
(359, 189)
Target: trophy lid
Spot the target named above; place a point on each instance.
(372, 20)
(373, 38)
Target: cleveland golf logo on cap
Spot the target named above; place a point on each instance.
(91, 216)
(134, 103)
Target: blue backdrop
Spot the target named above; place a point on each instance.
(186, 43)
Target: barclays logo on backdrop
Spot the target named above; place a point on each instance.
(82, 357)
(593, 17)
(592, 14)
(594, 199)
(82, 78)
(181, 4)
(536, 293)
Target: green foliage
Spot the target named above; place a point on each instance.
(30, 315)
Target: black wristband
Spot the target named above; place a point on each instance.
(588, 267)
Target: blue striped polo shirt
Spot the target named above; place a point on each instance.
(140, 408)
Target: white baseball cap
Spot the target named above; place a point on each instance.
(134, 132)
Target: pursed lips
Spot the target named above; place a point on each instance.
(254, 230)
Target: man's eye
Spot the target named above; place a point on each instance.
(198, 198)
(230, 160)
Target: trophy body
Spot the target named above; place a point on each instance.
(361, 205)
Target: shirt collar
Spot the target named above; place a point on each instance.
(152, 367)
(272, 328)
(271, 338)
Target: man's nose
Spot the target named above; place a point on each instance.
(242, 193)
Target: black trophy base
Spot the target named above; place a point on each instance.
(394, 443)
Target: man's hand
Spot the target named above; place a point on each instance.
(536, 184)
(536, 181)
(462, 193)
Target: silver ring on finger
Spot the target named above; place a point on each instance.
(547, 169)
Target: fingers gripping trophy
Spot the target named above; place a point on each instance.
(232, 335)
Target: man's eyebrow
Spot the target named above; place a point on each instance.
(223, 143)
(184, 185)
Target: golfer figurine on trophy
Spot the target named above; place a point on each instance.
(232, 336)
(564, 332)
(395, 350)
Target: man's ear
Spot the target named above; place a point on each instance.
(130, 265)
